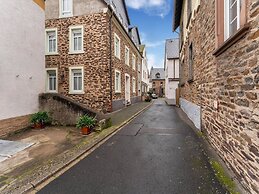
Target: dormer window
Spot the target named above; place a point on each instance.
(158, 75)
(66, 8)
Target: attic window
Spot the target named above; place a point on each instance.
(158, 75)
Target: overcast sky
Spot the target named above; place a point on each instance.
(154, 20)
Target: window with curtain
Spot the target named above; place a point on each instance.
(76, 39)
(117, 81)
(76, 80)
(51, 41)
(51, 80)
(134, 85)
(134, 62)
(116, 46)
(127, 53)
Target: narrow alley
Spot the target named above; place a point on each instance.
(156, 153)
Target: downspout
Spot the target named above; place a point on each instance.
(110, 34)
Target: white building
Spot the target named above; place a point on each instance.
(172, 70)
(144, 73)
(22, 65)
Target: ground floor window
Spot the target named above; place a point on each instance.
(51, 80)
(117, 81)
(76, 80)
(134, 85)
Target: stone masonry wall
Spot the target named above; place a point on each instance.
(120, 65)
(95, 59)
(230, 81)
(8, 126)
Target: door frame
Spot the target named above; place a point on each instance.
(127, 87)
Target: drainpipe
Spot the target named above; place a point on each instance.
(110, 34)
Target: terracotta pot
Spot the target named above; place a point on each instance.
(85, 130)
(38, 126)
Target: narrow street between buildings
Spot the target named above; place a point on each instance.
(156, 153)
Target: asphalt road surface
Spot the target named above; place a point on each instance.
(156, 153)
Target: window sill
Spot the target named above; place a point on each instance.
(117, 57)
(117, 92)
(51, 54)
(76, 92)
(67, 16)
(231, 40)
(74, 53)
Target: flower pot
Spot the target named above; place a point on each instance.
(85, 130)
(38, 126)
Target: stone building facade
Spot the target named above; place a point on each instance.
(157, 79)
(220, 81)
(98, 69)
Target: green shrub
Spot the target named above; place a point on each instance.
(86, 121)
(40, 118)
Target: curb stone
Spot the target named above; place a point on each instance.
(53, 169)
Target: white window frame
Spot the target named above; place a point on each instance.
(133, 62)
(62, 13)
(227, 18)
(119, 82)
(127, 57)
(55, 30)
(47, 80)
(71, 40)
(118, 55)
(133, 85)
(71, 81)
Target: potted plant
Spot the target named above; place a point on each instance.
(85, 123)
(40, 119)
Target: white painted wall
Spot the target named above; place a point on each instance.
(145, 73)
(171, 86)
(22, 75)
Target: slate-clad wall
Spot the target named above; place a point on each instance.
(226, 88)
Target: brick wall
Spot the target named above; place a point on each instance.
(230, 80)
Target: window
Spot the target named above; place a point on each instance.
(134, 62)
(76, 40)
(51, 85)
(190, 78)
(116, 46)
(127, 54)
(231, 23)
(117, 81)
(231, 17)
(134, 85)
(66, 8)
(51, 41)
(76, 80)
(158, 75)
(154, 83)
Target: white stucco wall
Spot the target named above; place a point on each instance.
(171, 86)
(22, 75)
(193, 111)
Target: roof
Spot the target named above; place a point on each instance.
(177, 13)
(172, 48)
(125, 8)
(136, 28)
(141, 48)
(155, 71)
